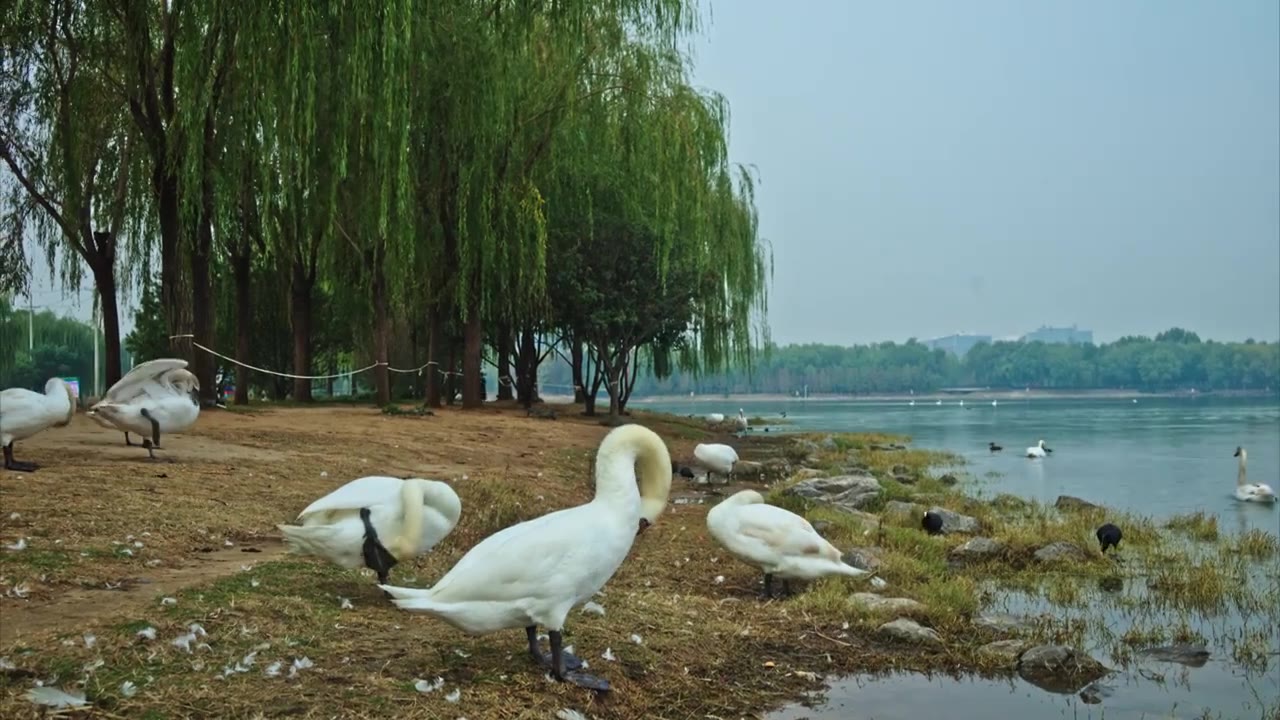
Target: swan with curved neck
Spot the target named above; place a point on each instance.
(24, 413)
(533, 573)
(1037, 450)
(157, 395)
(1247, 491)
(716, 457)
(776, 540)
(375, 522)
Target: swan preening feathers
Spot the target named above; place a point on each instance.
(774, 539)
(533, 573)
(24, 413)
(155, 396)
(717, 458)
(1247, 491)
(375, 521)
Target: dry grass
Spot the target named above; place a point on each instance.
(709, 646)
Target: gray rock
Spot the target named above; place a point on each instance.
(828, 443)
(977, 549)
(897, 508)
(948, 479)
(1060, 552)
(1181, 653)
(954, 522)
(748, 470)
(911, 631)
(1003, 623)
(1070, 503)
(1058, 669)
(1096, 692)
(1005, 501)
(1003, 652)
(846, 492)
(807, 474)
(903, 474)
(863, 558)
(876, 603)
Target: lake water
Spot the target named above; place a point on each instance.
(1159, 456)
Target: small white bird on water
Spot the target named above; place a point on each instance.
(24, 413)
(1247, 491)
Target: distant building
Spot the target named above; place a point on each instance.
(957, 344)
(1071, 335)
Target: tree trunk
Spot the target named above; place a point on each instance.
(451, 380)
(575, 362)
(104, 276)
(504, 363)
(300, 318)
(472, 350)
(527, 372)
(175, 300)
(381, 331)
(435, 341)
(616, 370)
(241, 266)
(204, 326)
(597, 377)
(629, 373)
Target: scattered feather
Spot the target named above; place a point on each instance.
(183, 641)
(324, 473)
(14, 516)
(18, 546)
(53, 697)
(228, 543)
(608, 655)
(719, 579)
(148, 633)
(636, 639)
(460, 653)
(253, 582)
(89, 668)
(272, 670)
(454, 696)
(426, 686)
(90, 639)
(20, 590)
(301, 663)
(569, 649)
(568, 714)
(169, 601)
(128, 689)
(198, 629)
(6, 664)
(344, 604)
(593, 608)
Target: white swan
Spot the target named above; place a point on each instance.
(158, 395)
(742, 420)
(376, 522)
(777, 541)
(716, 457)
(715, 418)
(1036, 451)
(24, 413)
(533, 573)
(1247, 491)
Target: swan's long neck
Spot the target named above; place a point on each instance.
(633, 469)
(1242, 476)
(61, 401)
(411, 493)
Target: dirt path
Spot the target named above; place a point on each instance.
(78, 606)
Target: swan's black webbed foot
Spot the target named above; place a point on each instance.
(568, 661)
(126, 439)
(567, 667)
(586, 681)
(16, 465)
(767, 593)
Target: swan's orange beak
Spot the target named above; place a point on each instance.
(644, 524)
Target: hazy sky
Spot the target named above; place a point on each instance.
(991, 166)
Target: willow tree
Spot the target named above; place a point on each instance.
(656, 237)
(66, 138)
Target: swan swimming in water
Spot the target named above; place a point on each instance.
(375, 522)
(533, 573)
(24, 413)
(1037, 450)
(1247, 491)
(157, 395)
(774, 539)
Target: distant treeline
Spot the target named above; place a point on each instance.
(1175, 359)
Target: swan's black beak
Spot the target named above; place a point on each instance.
(1236, 453)
(644, 524)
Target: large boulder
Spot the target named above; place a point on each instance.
(844, 492)
(910, 631)
(952, 522)
(979, 549)
(1181, 653)
(876, 603)
(1059, 669)
(1004, 653)
(1057, 552)
(1070, 503)
(863, 558)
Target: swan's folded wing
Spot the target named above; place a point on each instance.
(359, 493)
(784, 532)
(18, 403)
(135, 381)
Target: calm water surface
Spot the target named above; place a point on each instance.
(1159, 456)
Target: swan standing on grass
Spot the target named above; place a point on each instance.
(1037, 450)
(716, 457)
(742, 420)
(533, 573)
(158, 395)
(24, 413)
(1247, 491)
(375, 522)
(715, 418)
(776, 540)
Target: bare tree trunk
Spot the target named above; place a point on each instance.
(472, 350)
(104, 277)
(241, 266)
(575, 363)
(203, 308)
(527, 369)
(451, 380)
(435, 340)
(505, 391)
(174, 297)
(300, 317)
(381, 330)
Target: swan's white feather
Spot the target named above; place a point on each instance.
(24, 413)
(717, 457)
(776, 540)
(361, 492)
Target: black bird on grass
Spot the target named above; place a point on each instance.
(994, 447)
(682, 470)
(1109, 536)
(931, 522)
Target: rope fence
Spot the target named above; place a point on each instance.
(503, 379)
